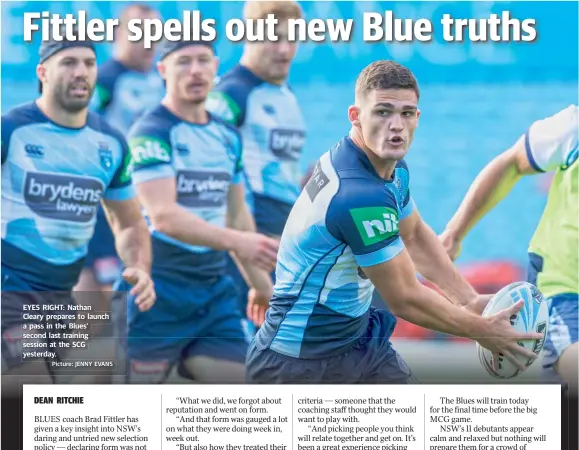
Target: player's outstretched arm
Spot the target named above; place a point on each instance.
(240, 218)
(432, 262)
(133, 245)
(548, 144)
(489, 188)
(408, 299)
(159, 198)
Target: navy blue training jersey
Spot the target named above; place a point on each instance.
(270, 121)
(122, 95)
(345, 219)
(53, 179)
(204, 160)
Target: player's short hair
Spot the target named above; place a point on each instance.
(282, 10)
(385, 74)
(141, 7)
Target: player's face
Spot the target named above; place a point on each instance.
(69, 78)
(388, 119)
(275, 58)
(189, 72)
(141, 57)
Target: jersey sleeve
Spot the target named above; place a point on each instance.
(151, 151)
(102, 95)
(121, 186)
(365, 217)
(551, 143)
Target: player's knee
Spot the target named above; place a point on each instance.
(148, 372)
(566, 366)
(206, 369)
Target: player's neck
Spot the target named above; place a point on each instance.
(60, 116)
(258, 72)
(186, 111)
(385, 168)
(129, 63)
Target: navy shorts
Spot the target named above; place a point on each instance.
(372, 360)
(563, 327)
(16, 294)
(187, 320)
(102, 256)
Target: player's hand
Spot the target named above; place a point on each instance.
(451, 244)
(501, 337)
(479, 303)
(257, 304)
(259, 250)
(143, 288)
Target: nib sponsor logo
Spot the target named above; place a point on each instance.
(62, 197)
(202, 189)
(287, 144)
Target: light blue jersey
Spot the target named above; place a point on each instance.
(53, 179)
(204, 160)
(345, 219)
(123, 95)
(270, 121)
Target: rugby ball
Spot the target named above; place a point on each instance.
(533, 317)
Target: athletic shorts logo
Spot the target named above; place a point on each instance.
(375, 224)
(198, 189)
(62, 197)
(286, 144)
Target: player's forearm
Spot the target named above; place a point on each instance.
(490, 187)
(241, 219)
(433, 263)
(256, 278)
(424, 307)
(186, 227)
(133, 245)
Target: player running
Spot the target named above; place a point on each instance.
(254, 96)
(549, 145)
(355, 226)
(58, 162)
(187, 168)
(127, 85)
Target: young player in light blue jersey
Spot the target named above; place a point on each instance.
(187, 167)
(355, 227)
(127, 86)
(255, 97)
(58, 162)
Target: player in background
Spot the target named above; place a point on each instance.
(548, 145)
(187, 169)
(355, 226)
(127, 85)
(58, 162)
(255, 97)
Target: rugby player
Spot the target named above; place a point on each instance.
(255, 97)
(58, 162)
(548, 145)
(127, 85)
(187, 169)
(355, 227)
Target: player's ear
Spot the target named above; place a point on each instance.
(41, 72)
(216, 63)
(354, 115)
(417, 116)
(161, 69)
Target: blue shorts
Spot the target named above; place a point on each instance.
(563, 327)
(102, 256)
(16, 294)
(372, 360)
(186, 321)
